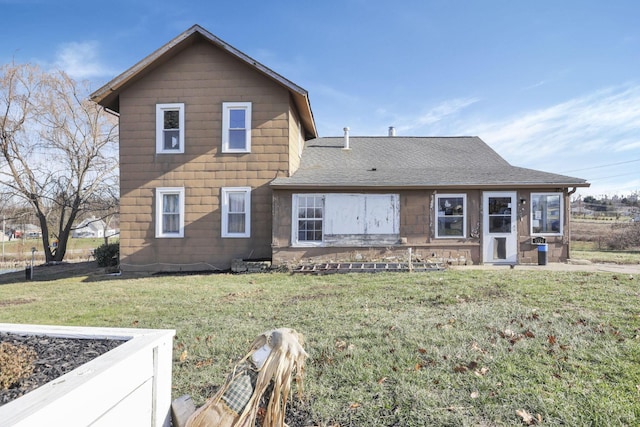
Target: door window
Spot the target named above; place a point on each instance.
(499, 214)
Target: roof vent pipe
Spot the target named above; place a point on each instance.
(392, 131)
(346, 138)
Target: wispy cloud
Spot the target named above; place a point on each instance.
(444, 110)
(533, 86)
(81, 60)
(434, 119)
(608, 119)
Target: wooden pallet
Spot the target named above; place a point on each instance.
(367, 267)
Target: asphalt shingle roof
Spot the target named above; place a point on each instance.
(426, 162)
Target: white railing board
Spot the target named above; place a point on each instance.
(103, 384)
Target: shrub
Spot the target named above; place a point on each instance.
(16, 363)
(625, 236)
(108, 255)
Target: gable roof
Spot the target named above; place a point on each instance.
(413, 162)
(108, 95)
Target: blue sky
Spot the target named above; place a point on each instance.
(550, 85)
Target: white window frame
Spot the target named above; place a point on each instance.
(438, 215)
(160, 109)
(561, 214)
(160, 192)
(295, 221)
(226, 191)
(227, 107)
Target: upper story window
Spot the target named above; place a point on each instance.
(546, 213)
(236, 212)
(451, 213)
(170, 128)
(170, 212)
(236, 127)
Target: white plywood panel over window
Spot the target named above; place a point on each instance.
(362, 214)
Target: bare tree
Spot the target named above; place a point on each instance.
(58, 150)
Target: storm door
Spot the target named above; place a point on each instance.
(499, 235)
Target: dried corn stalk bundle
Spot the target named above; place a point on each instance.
(274, 360)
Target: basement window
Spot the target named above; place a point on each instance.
(169, 128)
(236, 127)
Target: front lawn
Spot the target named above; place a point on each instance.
(395, 349)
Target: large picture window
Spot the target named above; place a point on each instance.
(236, 212)
(170, 212)
(170, 128)
(451, 213)
(236, 127)
(546, 213)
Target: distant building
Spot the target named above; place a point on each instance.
(92, 228)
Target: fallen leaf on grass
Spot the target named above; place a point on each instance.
(355, 405)
(482, 372)
(527, 418)
(203, 363)
(183, 356)
(381, 380)
(475, 395)
(551, 339)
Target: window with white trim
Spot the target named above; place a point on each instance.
(308, 217)
(236, 212)
(546, 213)
(236, 127)
(170, 212)
(451, 212)
(169, 128)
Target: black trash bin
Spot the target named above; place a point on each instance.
(542, 253)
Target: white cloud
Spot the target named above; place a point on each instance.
(81, 60)
(600, 128)
(605, 120)
(434, 118)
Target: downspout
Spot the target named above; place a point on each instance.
(568, 213)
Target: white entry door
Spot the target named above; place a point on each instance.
(499, 235)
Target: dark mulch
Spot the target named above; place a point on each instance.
(55, 357)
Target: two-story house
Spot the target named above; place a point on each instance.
(204, 129)
(220, 159)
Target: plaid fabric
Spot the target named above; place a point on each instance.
(240, 390)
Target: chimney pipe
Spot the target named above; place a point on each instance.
(346, 139)
(392, 131)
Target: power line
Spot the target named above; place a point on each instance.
(603, 166)
(613, 176)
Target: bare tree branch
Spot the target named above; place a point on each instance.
(58, 150)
